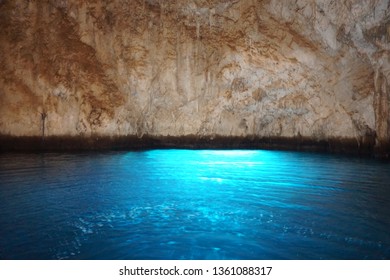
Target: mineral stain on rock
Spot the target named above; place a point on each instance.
(217, 69)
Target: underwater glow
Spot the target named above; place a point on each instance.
(193, 204)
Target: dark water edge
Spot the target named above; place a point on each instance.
(362, 147)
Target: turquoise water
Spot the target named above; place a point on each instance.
(193, 204)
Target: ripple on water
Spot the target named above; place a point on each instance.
(181, 204)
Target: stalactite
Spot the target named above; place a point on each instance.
(381, 106)
(43, 123)
(197, 29)
(211, 15)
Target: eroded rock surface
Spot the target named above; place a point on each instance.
(316, 69)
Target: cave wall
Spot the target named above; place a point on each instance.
(305, 68)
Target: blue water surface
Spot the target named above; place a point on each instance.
(193, 204)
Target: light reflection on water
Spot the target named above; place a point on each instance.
(193, 204)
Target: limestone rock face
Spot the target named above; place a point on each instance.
(317, 69)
